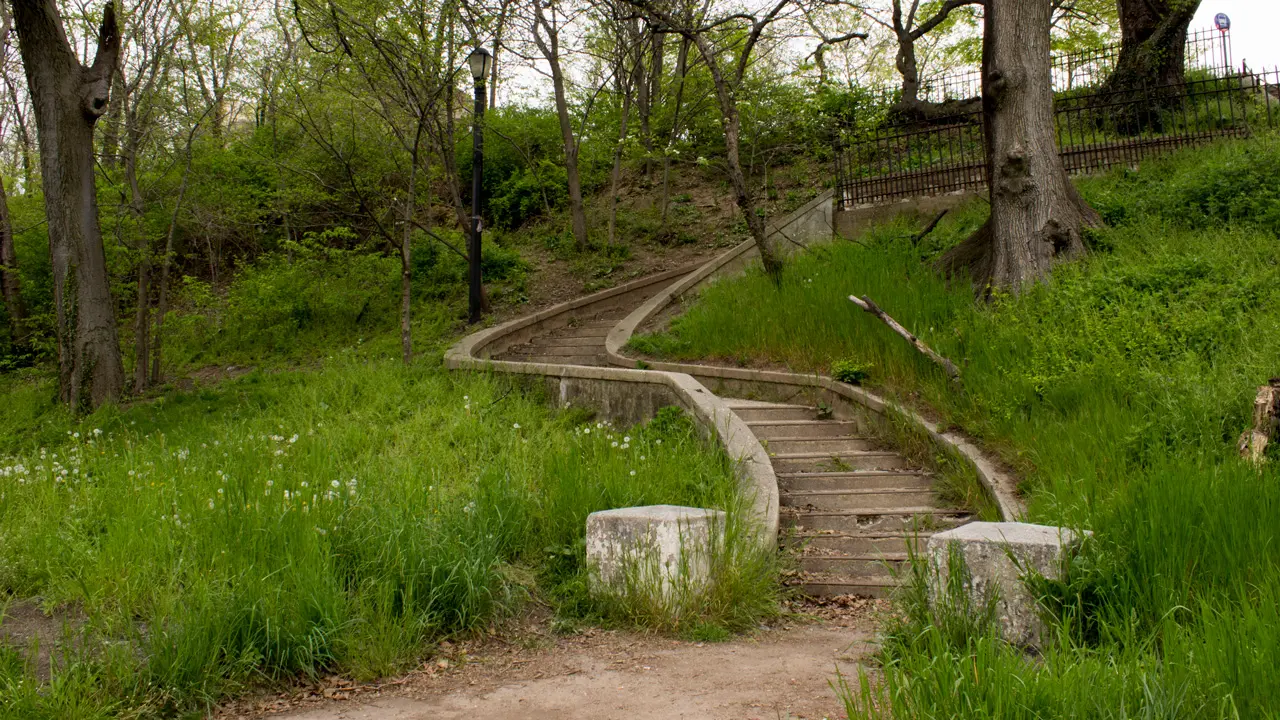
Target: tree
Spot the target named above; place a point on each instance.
(548, 26)
(68, 99)
(726, 44)
(908, 27)
(1037, 216)
(1153, 43)
(10, 286)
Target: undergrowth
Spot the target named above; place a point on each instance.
(1117, 389)
(340, 518)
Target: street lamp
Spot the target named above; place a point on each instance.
(481, 63)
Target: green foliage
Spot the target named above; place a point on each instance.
(287, 302)
(850, 371)
(340, 519)
(1117, 389)
(528, 192)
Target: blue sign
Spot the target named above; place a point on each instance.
(1222, 22)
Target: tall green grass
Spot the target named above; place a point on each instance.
(1117, 389)
(333, 519)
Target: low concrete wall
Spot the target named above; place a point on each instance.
(854, 222)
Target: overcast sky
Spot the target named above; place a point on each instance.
(1255, 29)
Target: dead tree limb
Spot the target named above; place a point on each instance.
(866, 304)
(915, 240)
(1266, 421)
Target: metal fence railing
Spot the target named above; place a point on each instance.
(1208, 51)
(1096, 130)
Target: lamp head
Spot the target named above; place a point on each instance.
(481, 62)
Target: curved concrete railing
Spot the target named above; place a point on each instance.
(786, 386)
(629, 396)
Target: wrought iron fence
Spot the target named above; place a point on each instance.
(1208, 51)
(1096, 130)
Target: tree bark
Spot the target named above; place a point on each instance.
(550, 47)
(732, 136)
(166, 263)
(682, 68)
(1037, 216)
(68, 99)
(1153, 42)
(10, 285)
(137, 207)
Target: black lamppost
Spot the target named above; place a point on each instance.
(481, 63)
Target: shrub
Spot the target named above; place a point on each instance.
(852, 372)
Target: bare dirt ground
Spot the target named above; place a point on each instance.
(781, 672)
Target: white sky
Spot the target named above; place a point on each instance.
(1255, 29)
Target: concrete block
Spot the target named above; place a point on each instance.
(998, 556)
(655, 549)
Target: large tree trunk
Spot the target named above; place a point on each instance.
(1153, 42)
(1037, 216)
(909, 68)
(10, 286)
(68, 99)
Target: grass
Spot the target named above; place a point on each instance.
(1117, 389)
(337, 518)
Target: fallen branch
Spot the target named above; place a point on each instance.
(1266, 420)
(866, 304)
(928, 228)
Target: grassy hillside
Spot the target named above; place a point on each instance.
(1118, 390)
(341, 516)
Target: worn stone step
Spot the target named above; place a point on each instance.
(820, 586)
(556, 359)
(874, 520)
(855, 543)
(866, 480)
(837, 461)
(556, 340)
(853, 567)
(819, 444)
(855, 499)
(606, 322)
(768, 429)
(774, 413)
(561, 350)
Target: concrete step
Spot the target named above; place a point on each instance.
(866, 480)
(825, 586)
(853, 567)
(759, 413)
(604, 321)
(769, 429)
(823, 445)
(557, 340)
(855, 543)
(836, 461)
(562, 350)
(847, 499)
(595, 360)
(874, 520)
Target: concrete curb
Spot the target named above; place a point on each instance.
(1002, 487)
(622, 391)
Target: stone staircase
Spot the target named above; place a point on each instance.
(850, 509)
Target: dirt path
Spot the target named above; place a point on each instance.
(778, 673)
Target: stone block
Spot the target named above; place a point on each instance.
(653, 549)
(998, 556)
